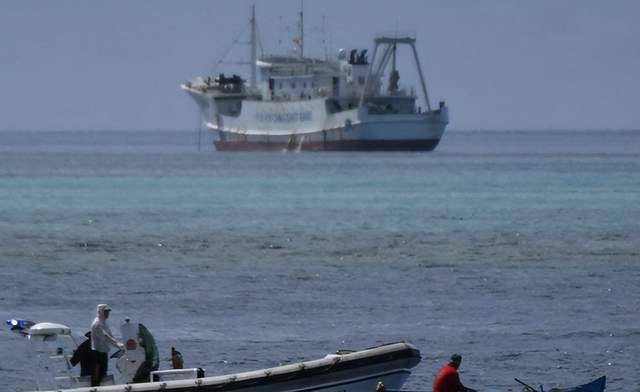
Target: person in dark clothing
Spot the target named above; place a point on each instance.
(448, 380)
(84, 356)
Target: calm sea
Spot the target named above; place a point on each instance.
(518, 250)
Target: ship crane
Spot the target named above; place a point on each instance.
(387, 46)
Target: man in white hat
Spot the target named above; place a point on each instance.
(101, 340)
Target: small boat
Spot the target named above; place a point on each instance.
(597, 385)
(138, 362)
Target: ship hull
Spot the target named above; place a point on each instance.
(307, 126)
(351, 130)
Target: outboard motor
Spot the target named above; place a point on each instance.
(140, 355)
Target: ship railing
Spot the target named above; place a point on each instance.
(300, 97)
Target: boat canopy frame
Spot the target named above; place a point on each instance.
(389, 47)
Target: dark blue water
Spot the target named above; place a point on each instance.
(519, 250)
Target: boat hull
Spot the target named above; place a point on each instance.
(376, 133)
(354, 371)
(307, 126)
(364, 382)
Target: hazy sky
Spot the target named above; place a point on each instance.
(499, 64)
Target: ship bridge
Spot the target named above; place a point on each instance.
(292, 78)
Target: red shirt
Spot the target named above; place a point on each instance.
(448, 380)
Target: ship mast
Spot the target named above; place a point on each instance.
(393, 59)
(301, 28)
(254, 47)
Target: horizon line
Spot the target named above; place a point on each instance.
(447, 131)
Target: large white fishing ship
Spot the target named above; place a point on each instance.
(293, 102)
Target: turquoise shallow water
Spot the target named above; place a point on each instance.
(520, 250)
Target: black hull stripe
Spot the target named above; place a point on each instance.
(338, 145)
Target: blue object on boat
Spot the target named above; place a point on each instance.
(594, 386)
(16, 323)
(19, 325)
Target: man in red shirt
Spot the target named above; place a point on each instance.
(448, 379)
